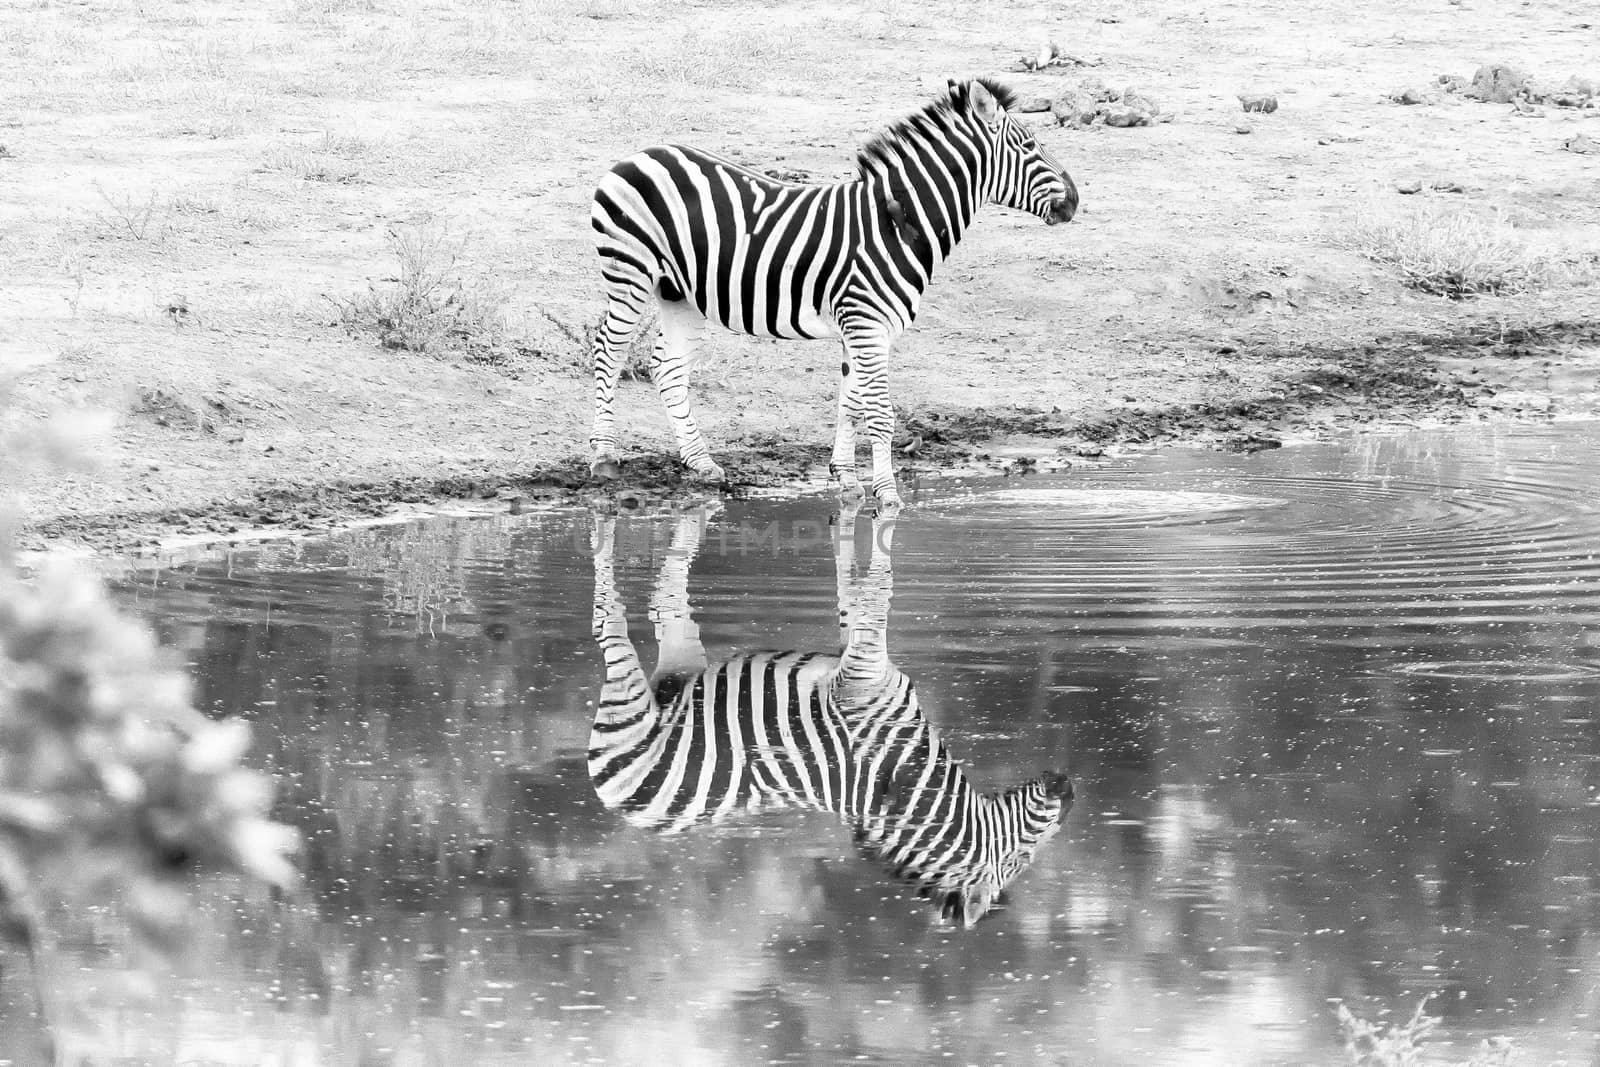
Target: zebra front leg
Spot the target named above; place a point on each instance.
(876, 588)
(682, 329)
(864, 620)
(842, 465)
(844, 562)
(611, 339)
(869, 355)
(880, 432)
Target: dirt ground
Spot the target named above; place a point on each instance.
(190, 190)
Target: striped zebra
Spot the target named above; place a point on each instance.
(712, 241)
(841, 732)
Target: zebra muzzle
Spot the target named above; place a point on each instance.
(1062, 210)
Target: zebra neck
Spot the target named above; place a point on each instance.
(929, 214)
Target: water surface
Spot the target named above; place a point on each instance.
(1329, 712)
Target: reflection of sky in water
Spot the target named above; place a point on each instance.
(1329, 712)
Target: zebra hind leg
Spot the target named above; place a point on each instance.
(623, 311)
(682, 330)
(610, 620)
(679, 650)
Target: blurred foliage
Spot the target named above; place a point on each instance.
(112, 786)
(1400, 1045)
(111, 783)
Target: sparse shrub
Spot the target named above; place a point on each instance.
(580, 344)
(1455, 251)
(429, 307)
(1369, 1045)
(129, 214)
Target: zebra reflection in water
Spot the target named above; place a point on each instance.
(840, 732)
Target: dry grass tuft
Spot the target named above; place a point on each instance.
(1456, 251)
(430, 307)
(331, 159)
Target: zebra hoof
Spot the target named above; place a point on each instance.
(709, 475)
(605, 470)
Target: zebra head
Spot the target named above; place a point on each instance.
(1022, 174)
(1025, 819)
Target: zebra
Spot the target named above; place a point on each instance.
(691, 744)
(713, 241)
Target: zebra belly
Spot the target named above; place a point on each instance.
(806, 324)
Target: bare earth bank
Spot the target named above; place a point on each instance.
(189, 191)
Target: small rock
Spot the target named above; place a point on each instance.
(1526, 110)
(1409, 97)
(1139, 101)
(1446, 185)
(1097, 90)
(1265, 103)
(1452, 83)
(1123, 117)
(1582, 144)
(1520, 399)
(1407, 188)
(1565, 99)
(1074, 107)
(1047, 52)
(1496, 83)
(1243, 127)
(1253, 442)
(1031, 104)
(1580, 90)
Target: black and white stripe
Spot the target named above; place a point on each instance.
(827, 732)
(715, 242)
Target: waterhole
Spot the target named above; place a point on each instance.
(1327, 714)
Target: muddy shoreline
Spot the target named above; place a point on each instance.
(1389, 383)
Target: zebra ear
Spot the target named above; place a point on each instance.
(984, 105)
(1059, 785)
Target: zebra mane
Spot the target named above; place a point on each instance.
(882, 148)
